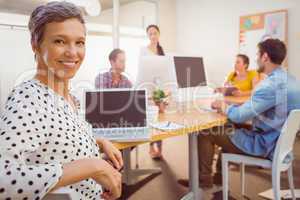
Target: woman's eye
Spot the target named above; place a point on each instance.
(59, 42)
(80, 43)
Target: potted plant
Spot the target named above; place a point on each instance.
(160, 99)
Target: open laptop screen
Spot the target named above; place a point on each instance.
(116, 108)
(190, 72)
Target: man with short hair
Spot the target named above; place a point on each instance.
(114, 77)
(268, 108)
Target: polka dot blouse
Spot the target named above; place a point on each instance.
(39, 131)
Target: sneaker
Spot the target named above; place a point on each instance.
(155, 155)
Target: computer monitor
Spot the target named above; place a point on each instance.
(190, 72)
(156, 71)
(116, 108)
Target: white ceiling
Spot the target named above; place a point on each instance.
(27, 6)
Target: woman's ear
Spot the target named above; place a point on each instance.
(35, 50)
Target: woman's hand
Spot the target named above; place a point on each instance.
(219, 105)
(228, 84)
(113, 154)
(109, 178)
(98, 169)
(237, 93)
(220, 90)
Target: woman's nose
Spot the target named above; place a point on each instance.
(71, 51)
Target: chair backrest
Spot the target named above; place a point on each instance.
(285, 142)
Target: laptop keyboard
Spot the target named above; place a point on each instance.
(124, 134)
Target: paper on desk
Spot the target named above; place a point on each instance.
(166, 126)
(207, 108)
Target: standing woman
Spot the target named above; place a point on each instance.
(44, 143)
(154, 48)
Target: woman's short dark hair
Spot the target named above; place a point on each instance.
(114, 53)
(51, 12)
(160, 50)
(275, 49)
(245, 59)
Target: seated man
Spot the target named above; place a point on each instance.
(114, 77)
(268, 108)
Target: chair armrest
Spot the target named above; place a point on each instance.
(62, 194)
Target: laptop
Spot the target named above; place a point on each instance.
(118, 114)
(191, 78)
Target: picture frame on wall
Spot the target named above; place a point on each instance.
(259, 27)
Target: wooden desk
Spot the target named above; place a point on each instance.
(194, 120)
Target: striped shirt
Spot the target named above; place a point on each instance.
(105, 80)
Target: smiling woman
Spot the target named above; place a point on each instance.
(59, 50)
(44, 144)
(62, 50)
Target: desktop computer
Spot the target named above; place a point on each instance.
(156, 72)
(191, 79)
(190, 72)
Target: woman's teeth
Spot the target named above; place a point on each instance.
(68, 63)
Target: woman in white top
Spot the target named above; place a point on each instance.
(44, 143)
(154, 48)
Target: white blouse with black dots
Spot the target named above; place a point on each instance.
(40, 131)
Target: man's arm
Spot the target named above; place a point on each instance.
(263, 99)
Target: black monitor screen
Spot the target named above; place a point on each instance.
(114, 109)
(190, 72)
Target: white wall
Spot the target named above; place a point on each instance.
(131, 14)
(167, 24)
(210, 28)
(17, 60)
